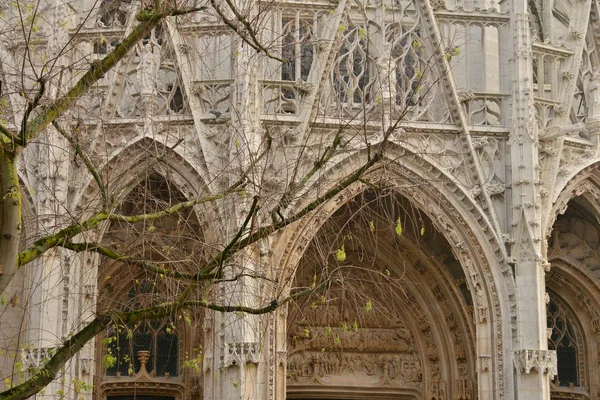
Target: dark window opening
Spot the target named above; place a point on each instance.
(563, 340)
(176, 103)
(296, 39)
(157, 337)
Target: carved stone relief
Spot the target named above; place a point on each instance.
(391, 368)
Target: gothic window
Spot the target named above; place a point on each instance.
(406, 53)
(352, 69)
(174, 240)
(297, 49)
(563, 340)
(158, 337)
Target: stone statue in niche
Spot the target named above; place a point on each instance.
(148, 68)
(591, 90)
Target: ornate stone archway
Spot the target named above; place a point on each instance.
(454, 215)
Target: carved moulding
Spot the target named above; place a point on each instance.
(142, 383)
(360, 369)
(565, 279)
(240, 353)
(542, 361)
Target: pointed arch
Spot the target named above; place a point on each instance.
(585, 182)
(463, 224)
(141, 157)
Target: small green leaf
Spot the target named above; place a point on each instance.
(340, 255)
(368, 306)
(372, 226)
(423, 230)
(399, 227)
(109, 361)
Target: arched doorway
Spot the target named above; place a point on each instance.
(397, 320)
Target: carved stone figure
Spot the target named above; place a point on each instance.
(148, 68)
(591, 89)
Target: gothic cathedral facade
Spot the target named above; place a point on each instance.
(490, 110)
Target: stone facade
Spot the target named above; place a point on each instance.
(495, 114)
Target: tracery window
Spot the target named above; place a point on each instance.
(353, 69)
(160, 338)
(113, 13)
(297, 48)
(563, 340)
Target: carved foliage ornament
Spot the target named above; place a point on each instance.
(542, 361)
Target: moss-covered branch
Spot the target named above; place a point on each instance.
(10, 217)
(264, 232)
(293, 188)
(6, 140)
(128, 260)
(224, 254)
(45, 243)
(32, 105)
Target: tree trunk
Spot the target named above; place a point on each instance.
(10, 217)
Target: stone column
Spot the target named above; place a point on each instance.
(237, 337)
(533, 362)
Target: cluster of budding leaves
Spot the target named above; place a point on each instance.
(340, 256)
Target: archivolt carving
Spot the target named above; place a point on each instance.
(577, 187)
(559, 280)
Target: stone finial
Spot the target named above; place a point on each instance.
(143, 357)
